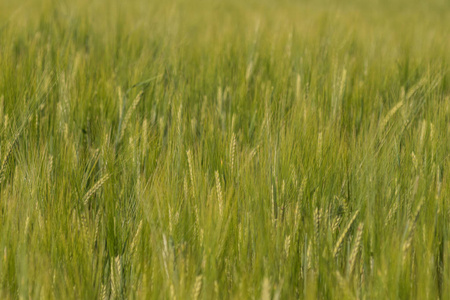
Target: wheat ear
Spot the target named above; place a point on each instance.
(95, 188)
(129, 113)
(8, 155)
(338, 246)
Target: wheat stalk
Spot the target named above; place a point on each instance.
(50, 164)
(94, 189)
(356, 247)
(113, 281)
(197, 287)
(335, 225)
(389, 115)
(411, 230)
(233, 151)
(308, 257)
(317, 218)
(338, 245)
(191, 170)
(129, 114)
(265, 292)
(144, 135)
(135, 238)
(170, 219)
(287, 245)
(361, 266)
(391, 213)
(185, 187)
(274, 215)
(319, 146)
(219, 193)
(97, 225)
(2, 105)
(116, 275)
(9, 150)
(179, 119)
(301, 190)
(342, 85)
(298, 87)
(103, 292)
(197, 222)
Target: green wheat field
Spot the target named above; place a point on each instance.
(224, 149)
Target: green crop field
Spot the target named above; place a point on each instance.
(224, 149)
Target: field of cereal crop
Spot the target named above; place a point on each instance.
(194, 149)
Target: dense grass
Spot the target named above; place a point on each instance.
(224, 149)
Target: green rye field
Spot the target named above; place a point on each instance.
(224, 149)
